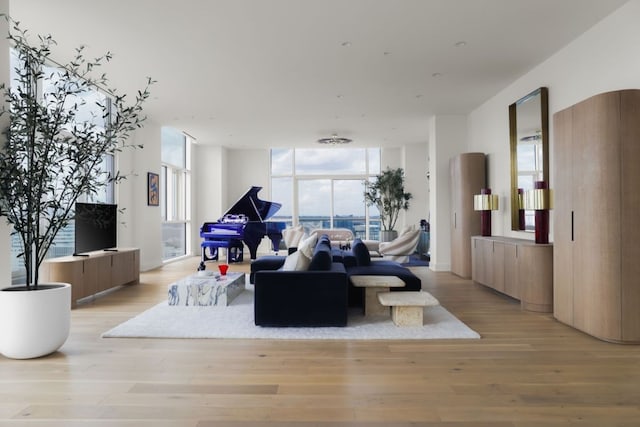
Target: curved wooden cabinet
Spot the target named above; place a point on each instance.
(596, 155)
(518, 268)
(468, 176)
(99, 271)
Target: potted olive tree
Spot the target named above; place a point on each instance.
(51, 155)
(387, 193)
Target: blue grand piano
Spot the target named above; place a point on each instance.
(246, 221)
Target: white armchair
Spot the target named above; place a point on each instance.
(401, 247)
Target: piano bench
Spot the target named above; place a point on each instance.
(235, 250)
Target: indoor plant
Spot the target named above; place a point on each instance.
(387, 193)
(50, 157)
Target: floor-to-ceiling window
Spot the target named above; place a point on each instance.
(175, 185)
(89, 109)
(324, 188)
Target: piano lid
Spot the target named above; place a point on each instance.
(252, 207)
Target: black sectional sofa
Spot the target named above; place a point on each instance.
(321, 294)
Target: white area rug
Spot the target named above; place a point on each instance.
(236, 321)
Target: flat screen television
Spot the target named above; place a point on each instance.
(96, 227)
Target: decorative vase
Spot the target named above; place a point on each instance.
(34, 323)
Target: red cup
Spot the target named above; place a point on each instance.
(223, 269)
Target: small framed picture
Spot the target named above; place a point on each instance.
(153, 189)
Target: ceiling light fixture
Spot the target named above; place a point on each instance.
(334, 140)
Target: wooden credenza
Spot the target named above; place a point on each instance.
(89, 275)
(518, 268)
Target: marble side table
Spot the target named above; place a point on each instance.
(407, 308)
(372, 286)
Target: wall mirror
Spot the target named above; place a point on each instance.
(529, 135)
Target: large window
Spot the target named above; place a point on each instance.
(89, 111)
(324, 188)
(175, 184)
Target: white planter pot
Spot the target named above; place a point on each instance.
(34, 323)
(388, 235)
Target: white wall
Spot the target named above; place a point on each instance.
(605, 58)
(209, 192)
(140, 224)
(415, 169)
(247, 168)
(447, 137)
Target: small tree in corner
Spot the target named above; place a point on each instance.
(388, 195)
(51, 156)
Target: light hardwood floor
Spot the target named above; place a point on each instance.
(528, 370)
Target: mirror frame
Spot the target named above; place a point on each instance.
(543, 92)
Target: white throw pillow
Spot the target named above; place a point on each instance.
(307, 246)
(292, 236)
(296, 262)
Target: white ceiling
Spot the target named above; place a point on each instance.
(256, 73)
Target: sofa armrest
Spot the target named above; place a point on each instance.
(271, 262)
(301, 298)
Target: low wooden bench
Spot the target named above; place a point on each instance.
(407, 308)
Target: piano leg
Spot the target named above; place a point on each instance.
(211, 256)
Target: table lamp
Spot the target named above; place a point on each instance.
(485, 202)
(540, 200)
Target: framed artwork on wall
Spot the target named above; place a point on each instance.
(153, 189)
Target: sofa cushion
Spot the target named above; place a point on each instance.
(361, 252)
(306, 246)
(324, 240)
(321, 260)
(297, 261)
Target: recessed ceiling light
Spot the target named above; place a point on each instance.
(461, 43)
(339, 96)
(346, 44)
(386, 53)
(436, 75)
(419, 95)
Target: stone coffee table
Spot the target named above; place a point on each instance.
(206, 289)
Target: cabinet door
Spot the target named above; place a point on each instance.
(123, 267)
(90, 276)
(467, 178)
(596, 255)
(476, 267)
(65, 272)
(511, 286)
(456, 227)
(498, 266)
(563, 216)
(535, 277)
(483, 261)
(104, 273)
(630, 265)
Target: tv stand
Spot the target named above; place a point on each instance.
(93, 272)
(110, 250)
(85, 255)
